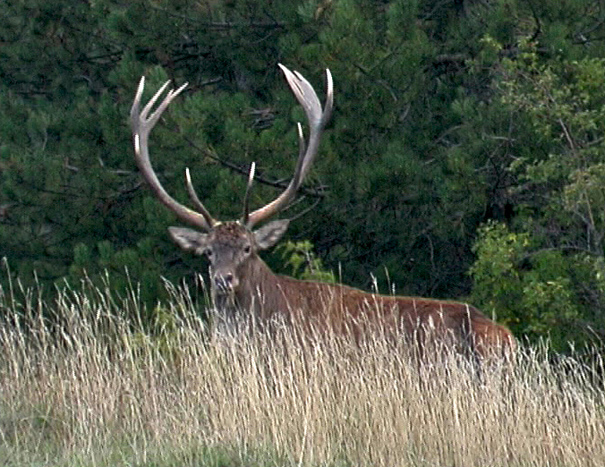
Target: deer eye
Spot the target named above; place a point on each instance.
(247, 249)
(207, 252)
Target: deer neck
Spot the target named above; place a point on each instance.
(256, 294)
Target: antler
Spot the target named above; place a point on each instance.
(306, 96)
(142, 124)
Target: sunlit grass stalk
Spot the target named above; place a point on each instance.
(83, 382)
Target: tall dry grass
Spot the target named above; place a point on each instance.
(91, 388)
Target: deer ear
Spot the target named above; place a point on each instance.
(189, 239)
(268, 235)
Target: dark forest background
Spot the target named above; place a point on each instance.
(465, 157)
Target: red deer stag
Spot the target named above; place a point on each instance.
(243, 286)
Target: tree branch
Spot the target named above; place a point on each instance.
(315, 192)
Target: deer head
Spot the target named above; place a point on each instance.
(231, 247)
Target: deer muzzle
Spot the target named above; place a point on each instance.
(224, 282)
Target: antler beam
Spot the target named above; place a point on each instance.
(317, 118)
(142, 122)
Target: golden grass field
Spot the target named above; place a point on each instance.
(98, 391)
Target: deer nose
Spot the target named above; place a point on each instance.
(224, 282)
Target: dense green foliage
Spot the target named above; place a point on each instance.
(449, 116)
(546, 271)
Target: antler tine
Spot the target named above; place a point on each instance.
(246, 212)
(196, 200)
(142, 123)
(317, 118)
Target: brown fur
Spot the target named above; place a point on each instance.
(245, 289)
(344, 309)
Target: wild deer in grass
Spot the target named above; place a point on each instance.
(245, 289)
